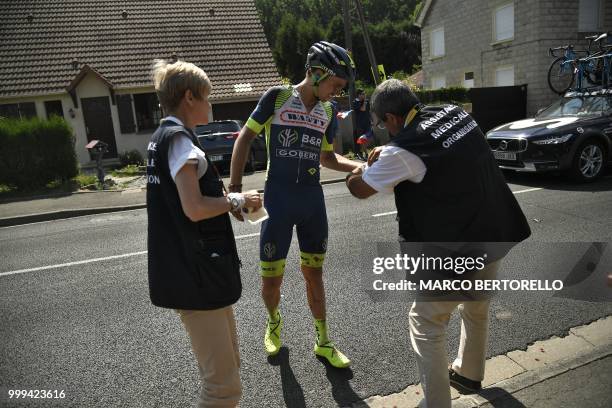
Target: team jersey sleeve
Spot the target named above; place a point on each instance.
(264, 110)
(330, 132)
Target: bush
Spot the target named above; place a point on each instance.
(131, 157)
(35, 152)
(444, 95)
(127, 171)
(85, 179)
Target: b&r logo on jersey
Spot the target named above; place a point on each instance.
(287, 137)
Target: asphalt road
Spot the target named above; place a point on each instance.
(75, 313)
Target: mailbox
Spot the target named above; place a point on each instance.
(97, 148)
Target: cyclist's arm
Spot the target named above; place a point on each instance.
(337, 162)
(256, 123)
(240, 154)
(329, 158)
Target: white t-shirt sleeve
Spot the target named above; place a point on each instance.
(182, 151)
(393, 166)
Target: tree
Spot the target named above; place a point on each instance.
(291, 26)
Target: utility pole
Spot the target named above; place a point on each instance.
(348, 39)
(366, 40)
(348, 42)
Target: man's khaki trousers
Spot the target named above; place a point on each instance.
(428, 322)
(215, 345)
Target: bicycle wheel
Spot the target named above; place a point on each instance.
(560, 76)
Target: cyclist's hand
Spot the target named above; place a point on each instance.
(373, 156)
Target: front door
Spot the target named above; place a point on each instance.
(99, 123)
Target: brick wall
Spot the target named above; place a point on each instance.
(469, 45)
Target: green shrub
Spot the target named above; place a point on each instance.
(127, 171)
(85, 179)
(35, 152)
(131, 157)
(443, 95)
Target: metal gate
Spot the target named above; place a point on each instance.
(497, 105)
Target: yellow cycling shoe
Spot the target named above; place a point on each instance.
(332, 354)
(272, 341)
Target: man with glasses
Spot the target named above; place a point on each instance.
(448, 189)
(297, 122)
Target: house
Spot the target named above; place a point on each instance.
(487, 43)
(89, 61)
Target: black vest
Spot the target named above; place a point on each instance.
(463, 196)
(192, 265)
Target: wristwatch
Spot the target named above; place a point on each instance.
(234, 203)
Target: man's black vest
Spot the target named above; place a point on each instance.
(192, 265)
(463, 196)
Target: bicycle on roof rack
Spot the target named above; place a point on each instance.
(569, 68)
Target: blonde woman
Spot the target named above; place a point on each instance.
(193, 262)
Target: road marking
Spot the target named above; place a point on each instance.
(87, 261)
(514, 192)
(527, 190)
(247, 235)
(386, 213)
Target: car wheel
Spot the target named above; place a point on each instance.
(589, 161)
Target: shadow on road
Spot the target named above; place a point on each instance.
(500, 398)
(292, 390)
(339, 379)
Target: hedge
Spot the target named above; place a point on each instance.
(453, 94)
(35, 152)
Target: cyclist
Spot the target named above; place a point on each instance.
(296, 120)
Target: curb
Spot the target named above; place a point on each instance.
(56, 215)
(62, 214)
(520, 369)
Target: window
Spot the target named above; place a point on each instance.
(438, 82)
(589, 12)
(54, 108)
(437, 42)
(504, 76)
(503, 23)
(126, 115)
(468, 80)
(18, 110)
(148, 113)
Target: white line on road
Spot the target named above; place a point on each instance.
(382, 214)
(527, 190)
(514, 192)
(86, 261)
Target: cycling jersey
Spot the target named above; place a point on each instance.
(294, 136)
(293, 194)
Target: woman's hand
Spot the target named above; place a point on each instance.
(252, 200)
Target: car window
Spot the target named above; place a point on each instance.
(578, 106)
(217, 127)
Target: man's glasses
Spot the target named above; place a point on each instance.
(379, 123)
